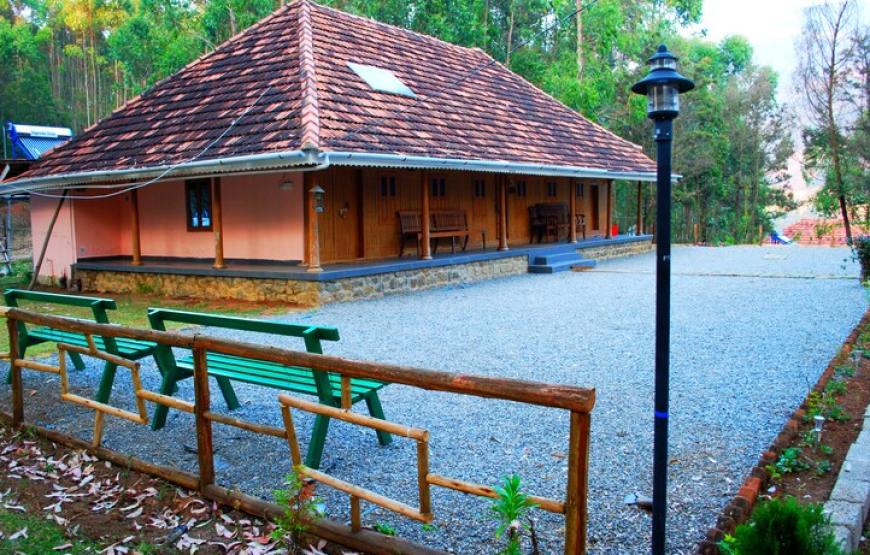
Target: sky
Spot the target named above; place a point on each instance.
(771, 27)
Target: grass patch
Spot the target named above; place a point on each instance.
(42, 536)
(132, 311)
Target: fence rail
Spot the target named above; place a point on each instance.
(579, 401)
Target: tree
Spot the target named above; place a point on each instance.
(825, 49)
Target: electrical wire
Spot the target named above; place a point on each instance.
(170, 168)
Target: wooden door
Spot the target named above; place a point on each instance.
(340, 235)
(518, 210)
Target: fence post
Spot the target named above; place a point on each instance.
(204, 445)
(15, 373)
(578, 484)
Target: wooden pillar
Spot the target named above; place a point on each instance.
(578, 484)
(425, 248)
(502, 214)
(218, 225)
(15, 374)
(608, 233)
(572, 202)
(204, 442)
(310, 182)
(639, 228)
(134, 217)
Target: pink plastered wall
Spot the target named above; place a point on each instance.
(98, 224)
(261, 221)
(60, 250)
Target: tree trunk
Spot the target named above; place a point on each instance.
(579, 40)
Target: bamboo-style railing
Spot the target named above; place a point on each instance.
(579, 401)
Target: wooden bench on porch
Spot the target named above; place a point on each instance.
(442, 223)
(131, 349)
(227, 368)
(552, 219)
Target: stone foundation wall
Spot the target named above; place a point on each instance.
(617, 250)
(302, 292)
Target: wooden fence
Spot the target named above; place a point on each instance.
(579, 401)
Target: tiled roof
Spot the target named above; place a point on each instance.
(290, 72)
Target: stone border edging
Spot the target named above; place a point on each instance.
(737, 510)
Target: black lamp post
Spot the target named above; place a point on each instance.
(662, 87)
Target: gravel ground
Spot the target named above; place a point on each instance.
(752, 329)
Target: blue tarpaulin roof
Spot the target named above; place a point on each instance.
(31, 141)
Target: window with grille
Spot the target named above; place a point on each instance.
(480, 206)
(522, 191)
(552, 189)
(198, 196)
(388, 196)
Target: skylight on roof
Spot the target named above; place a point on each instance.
(382, 80)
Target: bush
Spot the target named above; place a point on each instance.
(780, 527)
(861, 254)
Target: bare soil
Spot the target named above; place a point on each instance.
(120, 509)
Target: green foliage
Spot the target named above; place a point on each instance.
(823, 467)
(783, 527)
(384, 528)
(825, 404)
(861, 254)
(509, 508)
(300, 510)
(836, 388)
(791, 460)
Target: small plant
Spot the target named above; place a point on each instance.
(509, 508)
(780, 527)
(823, 467)
(384, 528)
(836, 388)
(429, 527)
(300, 509)
(826, 449)
(791, 460)
(844, 370)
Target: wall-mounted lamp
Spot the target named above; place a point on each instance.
(286, 185)
(317, 192)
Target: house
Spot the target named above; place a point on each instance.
(205, 185)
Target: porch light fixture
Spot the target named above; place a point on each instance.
(317, 192)
(819, 424)
(662, 87)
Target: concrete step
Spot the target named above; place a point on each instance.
(558, 258)
(564, 266)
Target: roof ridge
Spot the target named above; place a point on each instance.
(310, 104)
(627, 143)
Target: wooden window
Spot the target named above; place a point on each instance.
(479, 205)
(578, 190)
(198, 200)
(521, 189)
(387, 198)
(439, 187)
(552, 189)
(479, 188)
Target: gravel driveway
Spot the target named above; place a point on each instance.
(752, 329)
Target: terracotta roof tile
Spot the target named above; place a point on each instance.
(292, 67)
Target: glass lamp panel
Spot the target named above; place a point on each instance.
(662, 98)
(668, 63)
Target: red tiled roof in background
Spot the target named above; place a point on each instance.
(820, 232)
(292, 68)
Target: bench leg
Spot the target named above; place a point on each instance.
(318, 439)
(374, 405)
(228, 393)
(76, 360)
(106, 382)
(167, 387)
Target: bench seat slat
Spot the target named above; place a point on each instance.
(290, 378)
(126, 347)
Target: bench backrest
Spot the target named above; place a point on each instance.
(97, 305)
(553, 210)
(410, 221)
(449, 220)
(311, 335)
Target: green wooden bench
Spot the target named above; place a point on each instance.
(131, 349)
(225, 369)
